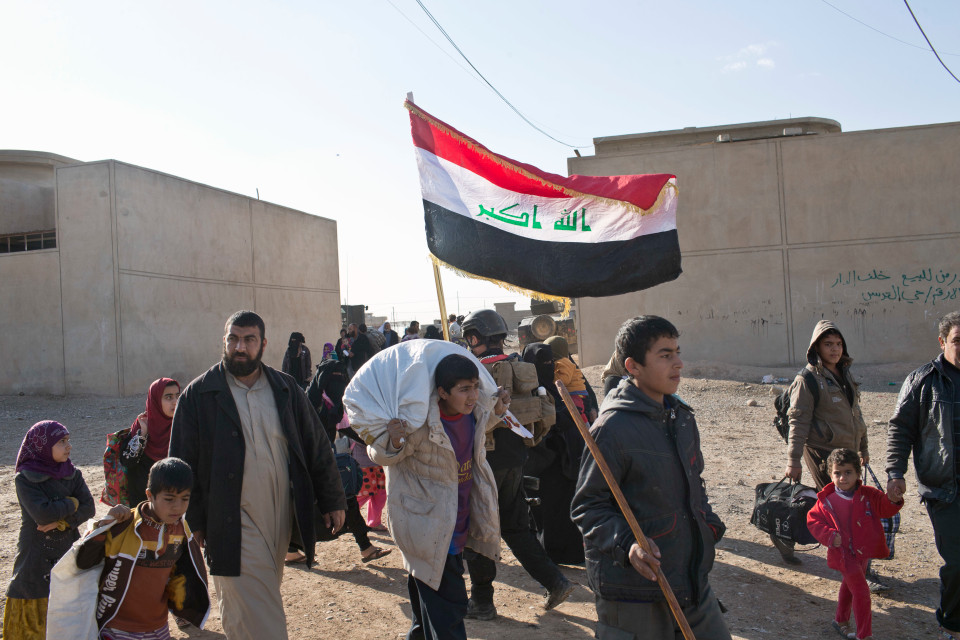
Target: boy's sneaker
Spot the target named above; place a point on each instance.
(558, 594)
(876, 585)
(948, 635)
(477, 611)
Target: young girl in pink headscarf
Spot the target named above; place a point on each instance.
(54, 502)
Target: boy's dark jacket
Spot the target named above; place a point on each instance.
(654, 452)
(119, 548)
(207, 435)
(867, 537)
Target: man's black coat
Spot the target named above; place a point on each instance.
(206, 433)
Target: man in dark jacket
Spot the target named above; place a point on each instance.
(262, 466)
(649, 439)
(361, 350)
(927, 421)
(390, 336)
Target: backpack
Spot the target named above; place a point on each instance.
(532, 411)
(122, 448)
(376, 340)
(781, 421)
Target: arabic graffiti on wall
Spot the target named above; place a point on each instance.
(926, 286)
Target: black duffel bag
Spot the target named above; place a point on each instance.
(781, 509)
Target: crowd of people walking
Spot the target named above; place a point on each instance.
(450, 447)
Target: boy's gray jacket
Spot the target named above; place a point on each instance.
(654, 453)
(923, 421)
(836, 420)
(422, 475)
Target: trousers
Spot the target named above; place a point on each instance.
(654, 620)
(945, 517)
(520, 537)
(855, 594)
(438, 614)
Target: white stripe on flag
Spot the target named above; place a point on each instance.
(463, 192)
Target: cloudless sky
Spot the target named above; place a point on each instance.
(303, 99)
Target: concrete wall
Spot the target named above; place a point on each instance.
(148, 267)
(30, 317)
(27, 190)
(189, 255)
(779, 232)
(89, 279)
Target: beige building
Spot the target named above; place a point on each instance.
(785, 222)
(114, 275)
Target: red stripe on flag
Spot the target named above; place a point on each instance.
(639, 190)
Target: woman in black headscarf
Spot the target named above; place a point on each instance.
(296, 361)
(556, 461)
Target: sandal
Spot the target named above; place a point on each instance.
(844, 630)
(295, 558)
(379, 553)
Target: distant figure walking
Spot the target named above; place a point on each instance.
(296, 360)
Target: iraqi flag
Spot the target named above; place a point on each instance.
(494, 218)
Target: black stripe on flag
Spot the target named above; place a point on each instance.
(568, 269)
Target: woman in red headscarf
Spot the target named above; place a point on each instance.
(152, 428)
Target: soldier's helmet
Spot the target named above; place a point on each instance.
(485, 322)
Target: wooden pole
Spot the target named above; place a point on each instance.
(625, 509)
(443, 305)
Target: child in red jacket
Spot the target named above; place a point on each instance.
(846, 520)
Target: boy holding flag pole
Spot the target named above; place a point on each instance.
(657, 485)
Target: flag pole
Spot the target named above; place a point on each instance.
(625, 509)
(436, 276)
(443, 305)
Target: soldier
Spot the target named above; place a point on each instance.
(484, 332)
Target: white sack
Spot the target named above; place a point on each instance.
(398, 383)
(71, 610)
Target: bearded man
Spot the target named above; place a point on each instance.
(260, 458)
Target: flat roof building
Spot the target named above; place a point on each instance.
(114, 275)
(785, 222)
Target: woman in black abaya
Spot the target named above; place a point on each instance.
(556, 462)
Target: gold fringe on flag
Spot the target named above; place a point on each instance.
(529, 293)
(479, 148)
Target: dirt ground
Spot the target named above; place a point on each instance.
(340, 597)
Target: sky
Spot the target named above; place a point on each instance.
(302, 101)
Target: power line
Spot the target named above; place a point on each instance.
(909, 44)
(488, 83)
(925, 38)
(432, 41)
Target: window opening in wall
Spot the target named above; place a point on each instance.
(33, 241)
